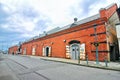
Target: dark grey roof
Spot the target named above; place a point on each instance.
(88, 19)
(49, 32)
(35, 37)
(91, 18)
(65, 27)
(53, 30)
(41, 35)
(28, 40)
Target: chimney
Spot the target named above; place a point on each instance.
(102, 12)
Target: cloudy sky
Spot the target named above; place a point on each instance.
(23, 19)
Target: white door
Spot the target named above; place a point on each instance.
(24, 51)
(33, 51)
(75, 51)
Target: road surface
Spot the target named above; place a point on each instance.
(16, 67)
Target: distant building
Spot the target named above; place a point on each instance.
(13, 49)
(16, 49)
(79, 38)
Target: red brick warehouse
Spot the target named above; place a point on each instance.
(79, 38)
(13, 49)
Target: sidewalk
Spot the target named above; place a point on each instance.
(110, 66)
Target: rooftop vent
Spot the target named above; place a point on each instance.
(75, 20)
(45, 33)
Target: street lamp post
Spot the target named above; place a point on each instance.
(96, 45)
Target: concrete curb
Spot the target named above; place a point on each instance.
(100, 67)
(92, 66)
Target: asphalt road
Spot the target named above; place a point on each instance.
(15, 67)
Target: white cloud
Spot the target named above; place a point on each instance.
(94, 8)
(6, 9)
(18, 23)
(53, 13)
(57, 11)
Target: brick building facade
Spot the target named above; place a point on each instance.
(79, 38)
(13, 49)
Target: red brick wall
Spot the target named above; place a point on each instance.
(108, 12)
(13, 49)
(56, 41)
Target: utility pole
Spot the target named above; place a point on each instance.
(96, 43)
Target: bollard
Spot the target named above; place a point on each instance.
(106, 62)
(87, 59)
(78, 59)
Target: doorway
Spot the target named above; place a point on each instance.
(24, 52)
(33, 51)
(75, 49)
(75, 52)
(47, 51)
(114, 53)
